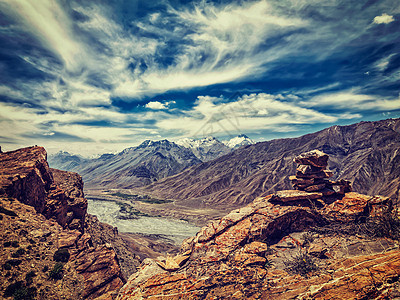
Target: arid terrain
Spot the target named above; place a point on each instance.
(321, 238)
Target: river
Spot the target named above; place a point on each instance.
(176, 230)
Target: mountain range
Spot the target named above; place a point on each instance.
(146, 163)
(366, 153)
(306, 244)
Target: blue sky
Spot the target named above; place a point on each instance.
(92, 77)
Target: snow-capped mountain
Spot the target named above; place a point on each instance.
(132, 167)
(66, 161)
(205, 149)
(239, 141)
(146, 163)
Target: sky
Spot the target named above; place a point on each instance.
(98, 76)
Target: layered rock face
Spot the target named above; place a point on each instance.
(43, 214)
(294, 244)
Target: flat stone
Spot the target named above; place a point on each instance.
(319, 175)
(327, 192)
(167, 263)
(316, 187)
(314, 158)
(295, 195)
(307, 169)
(342, 186)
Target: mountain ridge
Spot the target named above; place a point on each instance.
(143, 164)
(360, 152)
(134, 166)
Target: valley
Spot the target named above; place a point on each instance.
(206, 190)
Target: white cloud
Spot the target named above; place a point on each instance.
(23, 126)
(352, 100)
(10, 92)
(382, 64)
(213, 114)
(156, 105)
(218, 44)
(383, 19)
(224, 46)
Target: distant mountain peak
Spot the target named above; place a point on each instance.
(193, 143)
(150, 143)
(239, 141)
(207, 148)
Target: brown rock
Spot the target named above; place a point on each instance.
(316, 187)
(353, 206)
(231, 256)
(327, 192)
(68, 238)
(302, 181)
(25, 175)
(295, 195)
(100, 270)
(319, 175)
(341, 186)
(102, 233)
(314, 158)
(72, 185)
(168, 263)
(308, 170)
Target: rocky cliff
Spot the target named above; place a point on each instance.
(325, 243)
(47, 251)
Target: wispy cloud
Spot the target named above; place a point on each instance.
(67, 64)
(52, 26)
(353, 100)
(248, 113)
(216, 45)
(195, 46)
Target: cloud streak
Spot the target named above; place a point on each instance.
(51, 25)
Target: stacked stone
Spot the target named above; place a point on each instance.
(312, 175)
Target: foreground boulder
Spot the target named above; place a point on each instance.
(292, 244)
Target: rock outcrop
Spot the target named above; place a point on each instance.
(105, 234)
(293, 244)
(43, 220)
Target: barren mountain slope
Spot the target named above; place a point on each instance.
(136, 166)
(365, 153)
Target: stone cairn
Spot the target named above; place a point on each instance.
(312, 175)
